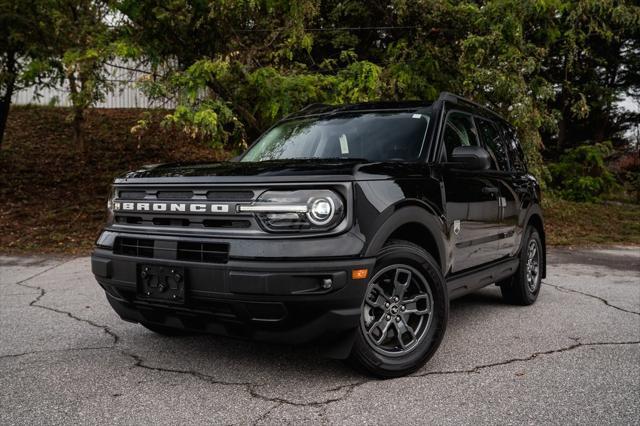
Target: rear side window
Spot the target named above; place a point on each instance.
(516, 155)
(459, 131)
(494, 144)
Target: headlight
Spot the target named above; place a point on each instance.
(321, 211)
(303, 210)
(112, 197)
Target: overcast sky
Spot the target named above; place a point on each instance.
(630, 104)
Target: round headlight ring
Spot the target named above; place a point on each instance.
(321, 211)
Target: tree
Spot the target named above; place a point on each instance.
(24, 50)
(83, 43)
(203, 54)
(593, 62)
(553, 66)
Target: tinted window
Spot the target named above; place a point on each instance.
(372, 136)
(494, 144)
(516, 155)
(459, 131)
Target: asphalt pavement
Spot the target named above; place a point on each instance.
(573, 357)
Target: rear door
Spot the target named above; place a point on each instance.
(519, 196)
(472, 207)
(503, 178)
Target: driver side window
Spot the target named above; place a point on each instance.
(459, 131)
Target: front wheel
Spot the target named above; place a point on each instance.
(404, 314)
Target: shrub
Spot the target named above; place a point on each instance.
(627, 169)
(581, 173)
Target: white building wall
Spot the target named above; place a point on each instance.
(125, 94)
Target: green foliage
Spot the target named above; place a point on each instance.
(82, 44)
(265, 59)
(581, 173)
(592, 58)
(556, 69)
(53, 42)
(25, 50)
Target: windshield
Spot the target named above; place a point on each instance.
(397, 136)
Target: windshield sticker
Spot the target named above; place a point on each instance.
(344, 146)
(416, 116)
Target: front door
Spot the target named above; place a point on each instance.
(472, 200)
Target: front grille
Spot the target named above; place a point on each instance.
(132, 195)
(191, 251)
(129, 220)
(138, 247)
(222, 223)
(225, 222)
(174, 195)
(183, 222)
(203, 252)
(230, 195)
(166, 221)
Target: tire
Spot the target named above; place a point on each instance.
(164, 330)
(397, 337)
(524, 286)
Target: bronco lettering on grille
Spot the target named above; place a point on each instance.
(170, 207)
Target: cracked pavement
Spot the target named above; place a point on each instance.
(573, 357)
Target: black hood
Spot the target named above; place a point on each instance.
(278, 170)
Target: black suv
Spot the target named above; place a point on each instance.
(350, 225)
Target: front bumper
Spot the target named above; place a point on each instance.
(278, 301)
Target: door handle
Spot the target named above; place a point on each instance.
(490, 190)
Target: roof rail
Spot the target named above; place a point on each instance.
(313, 106)
(457, 99)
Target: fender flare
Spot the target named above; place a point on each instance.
(406, 215)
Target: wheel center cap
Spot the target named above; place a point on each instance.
(394, 309)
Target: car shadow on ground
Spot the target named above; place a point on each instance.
(237, 360)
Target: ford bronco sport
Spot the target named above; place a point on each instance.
(350, 225)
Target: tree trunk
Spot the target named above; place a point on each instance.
(78, 115)
(78, 137)
(251, 124)
(5, 101)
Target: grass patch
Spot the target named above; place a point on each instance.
(52, 199)
(570, 223)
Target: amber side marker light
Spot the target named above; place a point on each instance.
(359, 274)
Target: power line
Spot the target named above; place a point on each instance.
(405, 27)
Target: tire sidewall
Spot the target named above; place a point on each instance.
(388, 366)
(529, 296)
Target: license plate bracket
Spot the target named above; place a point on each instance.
(161, 283)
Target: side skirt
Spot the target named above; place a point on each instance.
(467, 282)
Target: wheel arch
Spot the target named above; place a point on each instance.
(417, 225)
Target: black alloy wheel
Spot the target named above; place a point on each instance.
(523, 287)
(404, 312)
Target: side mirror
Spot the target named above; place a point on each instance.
(470, 158)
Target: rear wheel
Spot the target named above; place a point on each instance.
(524, 286)
(404, 314)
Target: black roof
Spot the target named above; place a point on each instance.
(321, 109)
(460, 100)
